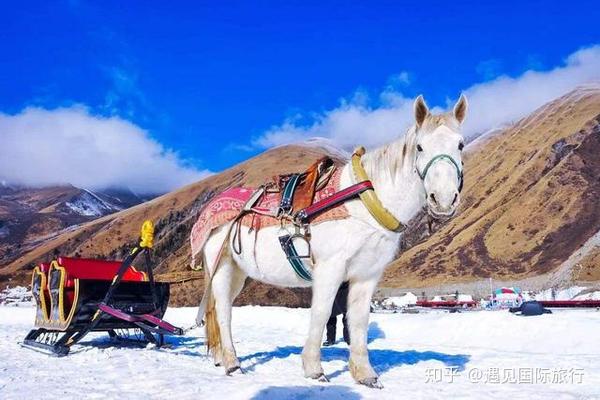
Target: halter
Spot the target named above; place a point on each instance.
(439, 157)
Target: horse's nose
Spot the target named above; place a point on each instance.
(443, 202)
(432, 199)
(455, 200)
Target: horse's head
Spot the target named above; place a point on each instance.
(438, 147)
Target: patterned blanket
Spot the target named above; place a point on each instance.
(227, 205)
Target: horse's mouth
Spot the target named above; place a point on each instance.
(441, 216)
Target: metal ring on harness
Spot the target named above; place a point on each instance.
(296, 260)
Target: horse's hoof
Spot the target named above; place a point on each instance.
(372, 383)
(232, 370)
(217, 364)
(319, 377)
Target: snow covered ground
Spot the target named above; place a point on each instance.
(434, 355)
(17, 296)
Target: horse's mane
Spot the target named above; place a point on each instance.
(391, 160)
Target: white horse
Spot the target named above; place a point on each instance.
(422, 168)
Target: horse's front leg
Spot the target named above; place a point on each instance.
(326, 282)
(359, 305)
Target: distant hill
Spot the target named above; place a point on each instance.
(530, 203)
(30, 216)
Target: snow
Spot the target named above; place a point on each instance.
(404, 349)
(18, 296)
(464, 297)
(327, 145)
(89, 204)
(4, 231)
(589, 296)
(559, 294)
(401, 301)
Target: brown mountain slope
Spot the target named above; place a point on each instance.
(174, 214)
(531, 199)
(588, 269)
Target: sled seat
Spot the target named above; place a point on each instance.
(101, 270)
(67, 273)
(40, 292)
(71, 283)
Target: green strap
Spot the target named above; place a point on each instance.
(294, 259)
(436, 159)
(288, 193)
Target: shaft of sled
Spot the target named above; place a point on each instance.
(116, 280)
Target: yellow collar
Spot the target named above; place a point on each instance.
(369, 197)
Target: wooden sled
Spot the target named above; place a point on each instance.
(76, 296)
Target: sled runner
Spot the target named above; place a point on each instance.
(76, 296)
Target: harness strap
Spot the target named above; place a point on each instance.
(439, 157)
(285, 206)
(298, 265)
(305, 215)
(370, 199)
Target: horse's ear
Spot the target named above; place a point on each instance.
(421, 110)
(460, 109)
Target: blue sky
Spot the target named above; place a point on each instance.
(207, 80)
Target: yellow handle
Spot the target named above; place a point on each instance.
(147, 234)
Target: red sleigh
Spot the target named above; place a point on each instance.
(76, 296)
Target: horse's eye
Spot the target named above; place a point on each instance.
(419, 148)
(461, 145)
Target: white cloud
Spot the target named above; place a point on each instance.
(507, 99)
(69, 145)
(492, 104)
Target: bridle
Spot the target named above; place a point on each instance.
(440, 157)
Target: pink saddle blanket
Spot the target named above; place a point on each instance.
(226, 206)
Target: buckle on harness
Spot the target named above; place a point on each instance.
(288, 241)
(297, 260)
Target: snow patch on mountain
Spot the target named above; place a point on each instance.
(327, 145)
(91, 205)
(4, 232)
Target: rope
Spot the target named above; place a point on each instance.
(180, 281)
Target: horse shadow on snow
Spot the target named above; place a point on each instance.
(330, 392)
(381, 360)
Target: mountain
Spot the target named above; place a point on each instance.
(529, 210)
(174, 214)
(29, 216)
(531, 201)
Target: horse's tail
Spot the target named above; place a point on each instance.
(207, 312)
(213, 333)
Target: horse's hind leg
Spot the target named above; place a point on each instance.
(227, 284)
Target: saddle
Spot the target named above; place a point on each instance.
(298, 190)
